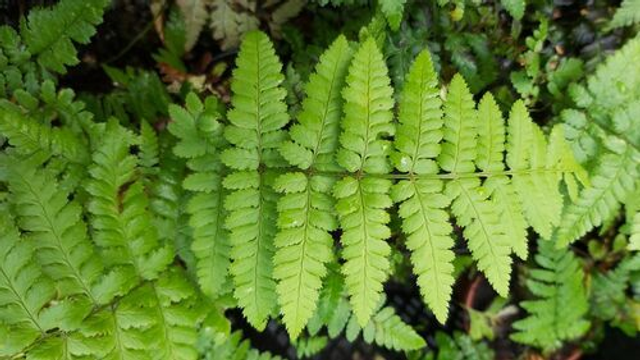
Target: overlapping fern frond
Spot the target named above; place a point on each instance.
(255, 133)
(604, 131)
(304, 243)
(558, 313)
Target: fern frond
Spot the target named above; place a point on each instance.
(176, 315)
(607, 124)
(491, 135)
(24, 289)
(121, 217)
(362, 201)
(29, 136)
(425, 222)
(57, 230)
(459, 147)
(627, 14)
(257, 118)
(305, 210)
(558, 313)
(50, 33)
(614, 178)
(505, 198)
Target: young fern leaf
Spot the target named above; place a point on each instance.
(24, 289)
(49, 33)
(558, 313)
(121, 217)
(362, 200)
(425, 222)
(303, 242)
(257, 118)
(200, 136)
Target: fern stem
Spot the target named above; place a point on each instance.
(446, 176)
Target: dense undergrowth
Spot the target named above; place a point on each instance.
(230, 179)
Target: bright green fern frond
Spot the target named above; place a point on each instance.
(460, 123)
(149, 149)
(257, 118)
(50, 33)
(362, 201)
(418, 136)
(57, 231)
(614, 178)
(121, 217)
(24, 289)
(558, 313)
(315, 137)
(483, 230)
(425, 222)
